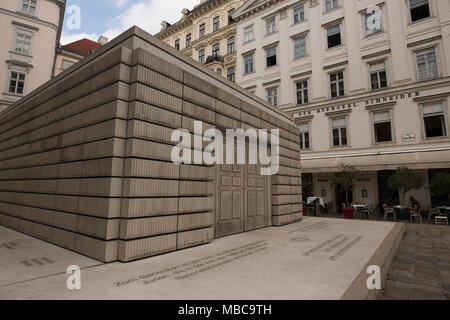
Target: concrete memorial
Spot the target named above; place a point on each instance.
(85, 159)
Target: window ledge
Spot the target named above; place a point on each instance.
(331, 10)
(436, 139)
(271, 67)
(267, 35)
(27, 14)
(424, 20)
(298, 23)
(384, 144)
(246, 42)
(14, 94)
(340, 148)
(21, 53)
(373, 35)
(334, 48)
(300, 58)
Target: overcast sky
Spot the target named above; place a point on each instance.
(112, 17)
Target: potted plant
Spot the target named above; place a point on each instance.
(307, 189)
(345, 180)
(405, 180)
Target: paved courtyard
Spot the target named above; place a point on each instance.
(421, 266)
(317, 258)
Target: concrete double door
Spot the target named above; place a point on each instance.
(243, 200)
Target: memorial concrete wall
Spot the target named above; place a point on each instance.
(85, 160)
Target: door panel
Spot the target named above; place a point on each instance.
(255, 199)
(230, 207)
(242, 199)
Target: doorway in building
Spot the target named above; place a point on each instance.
(386, 193)
(243, 199)
(439, 187)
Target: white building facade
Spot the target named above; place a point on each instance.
(367, 82)
(30, 34)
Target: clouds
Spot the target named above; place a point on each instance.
(146, 14)
(68, 38)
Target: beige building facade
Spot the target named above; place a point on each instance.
(207, 34)
(366, 81)
(69, 54)
(31, 30)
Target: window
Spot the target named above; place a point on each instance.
(177, 44)
(231, 74)
(300, 48)
(382, 126)
(427, 64)
(364, 193)
(270, 25)
(216, 23)
(373, 22)
(249, 64)
(299, 13)
(272, 96)
(231, 45)
(23, 43)
(202, 30)
(337, 84)
(201, 56)
(66, 64)
(331, 4)
(378, 75)
(304, 136)
(248, 34)
(16, 82)
(334, 36)
(339, 127)
(29, 6)
(188, 40)
(434, 120)
(219, 71)
(216, 50)
(419, 9)
(302, 92)
(271, 57)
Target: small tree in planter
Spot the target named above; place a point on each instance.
(405, 180)
(440, 185)
(345, 179)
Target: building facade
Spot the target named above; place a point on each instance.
(69, 54)
(367, 82)
(31, 30)
(207, 34)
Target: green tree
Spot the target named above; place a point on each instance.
(345, 179)
(440, 185)
(405, 180)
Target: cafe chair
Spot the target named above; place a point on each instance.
(441, 220)
(433, 212)
(415, 215)
(388, 211)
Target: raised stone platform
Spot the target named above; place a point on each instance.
(317, 258)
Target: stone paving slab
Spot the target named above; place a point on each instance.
(421, 266)
(23, 258)
(317, 258)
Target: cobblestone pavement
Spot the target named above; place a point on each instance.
(421, 266)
